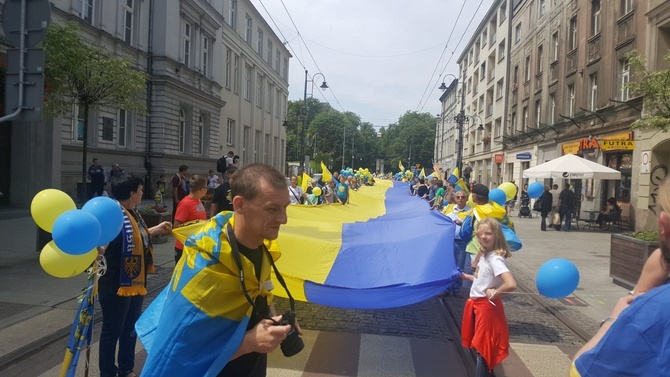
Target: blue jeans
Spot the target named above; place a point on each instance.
(567, 213)
(119, 314)
(460, 257)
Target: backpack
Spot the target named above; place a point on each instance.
(221, 165)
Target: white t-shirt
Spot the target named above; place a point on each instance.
(554, 197)
(487, 274)
(295, 194)
(454, 215)
(213, 181)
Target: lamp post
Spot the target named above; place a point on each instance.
(323, 86)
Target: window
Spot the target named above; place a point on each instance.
(77, 123)
(483, 71)
(541, 10)
(270, 101)
(538, 113)
(270, 52)
(540, 58)
(182, 131)
(128, 14)
(267, 151)
(257, 145)
(499, 88)
(554, 44)
(593, 91)
(247, 82)
(278, 61)
(247, 29)
(229, 55)
(524, 119)
(515, 76)
(187, 44)
(259, 48)
(205, 55)
(552, 108)
(526, 76)
(571, 100)
(232, 14)
(484, 37)
(624, 67)
(517, 33)
(86, 10)
(277, 103)
(259, 90)
(122, 127)
(501, 50)
(245, 144)
(595, 17)
(626, 7)
(285, 74)
(198, 135)
(107, 129)
(572, 37)
(230, 132)
(236, 74)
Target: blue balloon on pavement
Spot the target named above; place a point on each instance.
(535, 190)
(497, 195)
(557, 278)
(76, 232)
(109, 215)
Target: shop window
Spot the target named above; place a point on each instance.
(622, 161)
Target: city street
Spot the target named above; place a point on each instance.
(416, 340)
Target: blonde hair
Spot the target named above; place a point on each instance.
(499, 243)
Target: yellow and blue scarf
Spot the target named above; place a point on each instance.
(134, 261)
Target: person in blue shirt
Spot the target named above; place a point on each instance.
(342, 190)
(633, 340)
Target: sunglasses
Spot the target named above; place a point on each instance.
(461, 197)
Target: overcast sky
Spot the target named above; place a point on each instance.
(378, 56)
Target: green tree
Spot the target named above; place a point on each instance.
(410, 140)
(655, 87)
(86, 75)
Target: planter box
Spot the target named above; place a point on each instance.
(627, 257)
(155, 219)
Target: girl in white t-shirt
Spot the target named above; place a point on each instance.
(484, 324)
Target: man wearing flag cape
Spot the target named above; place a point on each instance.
(204, 323)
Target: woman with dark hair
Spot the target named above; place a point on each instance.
(606, 215)
(122, 288)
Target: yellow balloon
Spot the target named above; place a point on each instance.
(471, 202)
(509, 189)
(60, 264)
(47, 205)
(316, 191)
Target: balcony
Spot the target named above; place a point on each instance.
(572, 62)
(538, 82)
(492, 75)
(553, 72)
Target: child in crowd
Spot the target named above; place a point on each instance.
(484, 326)
(189, 209)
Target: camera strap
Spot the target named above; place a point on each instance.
(238, 261)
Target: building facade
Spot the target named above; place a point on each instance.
(483, 67)
(446, 128)
(197, 56)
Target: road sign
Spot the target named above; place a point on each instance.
(37, 18)
(33, 61)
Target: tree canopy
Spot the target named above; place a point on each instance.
(655, 87)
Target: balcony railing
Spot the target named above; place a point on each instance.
(572, 62)
(553, 71)
(625, 27)
(594, 47)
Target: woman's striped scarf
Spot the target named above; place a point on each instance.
(135, 263)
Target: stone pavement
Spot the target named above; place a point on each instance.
(35, 308)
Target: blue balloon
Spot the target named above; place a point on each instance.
(497, 195)
(557, 278)
(535, 190)
(76, 232)
(110, 216)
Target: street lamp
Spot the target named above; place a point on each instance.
(323, 86)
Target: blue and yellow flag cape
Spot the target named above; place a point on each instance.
(81, 332)
(199, 320)
(384, 249)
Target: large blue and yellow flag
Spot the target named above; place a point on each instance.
(454, 176)
(384, 249)
(199, 320)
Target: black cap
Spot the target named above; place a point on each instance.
(480, 190)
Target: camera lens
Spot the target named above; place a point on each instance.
(293, 344)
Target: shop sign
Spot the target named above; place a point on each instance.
(589, 144)
(614, 145)
(499, 158)
(571, 148)
(523, 156)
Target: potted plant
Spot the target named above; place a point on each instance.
(628, 253)
(152, 217)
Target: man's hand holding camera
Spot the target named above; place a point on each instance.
(266, 336)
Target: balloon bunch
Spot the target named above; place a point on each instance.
(76, 232)
(505, 192)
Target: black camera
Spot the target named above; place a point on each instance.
(293, 344)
